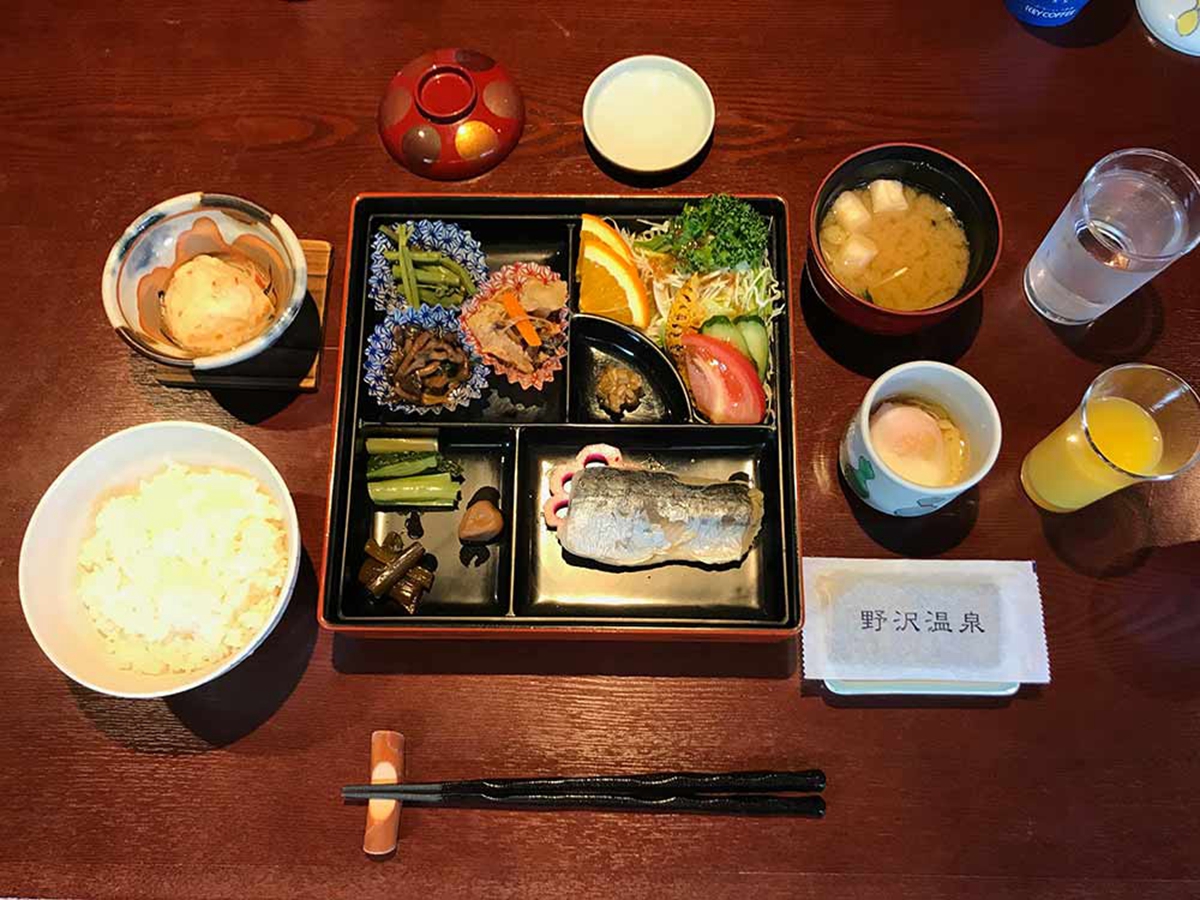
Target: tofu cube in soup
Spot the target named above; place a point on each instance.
(851, 213)
(834, 234)
(887, 196)
(857, 253)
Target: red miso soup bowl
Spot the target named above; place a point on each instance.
(926, 169)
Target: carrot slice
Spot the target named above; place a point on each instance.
(520, 318)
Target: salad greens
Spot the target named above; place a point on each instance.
(719, 232)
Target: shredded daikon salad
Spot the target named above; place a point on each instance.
(740, 291)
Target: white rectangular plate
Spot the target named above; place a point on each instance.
(922, 688)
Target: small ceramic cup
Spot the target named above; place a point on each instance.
(960, 395)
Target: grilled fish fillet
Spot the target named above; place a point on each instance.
(631, 517)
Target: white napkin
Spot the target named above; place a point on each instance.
(923, 619)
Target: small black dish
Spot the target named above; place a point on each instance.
(550, 584)
(597, 342)
(470, 580)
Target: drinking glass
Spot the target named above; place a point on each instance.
(1136, 423)
(1136, 212)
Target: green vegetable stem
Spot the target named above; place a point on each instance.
(437, 490)
(402, 444)
(418, 271)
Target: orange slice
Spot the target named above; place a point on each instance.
(597, 228)
(610, 287)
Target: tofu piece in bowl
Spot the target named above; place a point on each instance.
(887, 195)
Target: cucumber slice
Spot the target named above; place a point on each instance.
(758, 342)
(722, 329)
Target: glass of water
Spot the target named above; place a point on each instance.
(1136, 212)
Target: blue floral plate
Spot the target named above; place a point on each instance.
(443, 237)
(382, 342)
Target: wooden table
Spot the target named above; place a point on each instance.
(1089, 788)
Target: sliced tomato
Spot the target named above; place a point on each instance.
(724, 383)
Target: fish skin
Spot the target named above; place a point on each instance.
(632, 517)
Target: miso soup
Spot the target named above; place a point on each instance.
(894, 245)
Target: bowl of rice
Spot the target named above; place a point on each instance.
(159, 559)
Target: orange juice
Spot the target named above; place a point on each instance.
(1064, 473)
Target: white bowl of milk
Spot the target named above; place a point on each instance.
(648, 113)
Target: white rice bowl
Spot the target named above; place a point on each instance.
(183, 568)
(159, 559)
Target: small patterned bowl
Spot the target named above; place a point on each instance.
(176, 230)
(443, 237)
(511, 277)
(381, 343)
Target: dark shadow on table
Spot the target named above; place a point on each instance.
(928, 535)
(1099, 21)
(253, 407)
(1150, 638)
(263, 385)
(1125, 333)
(818, 688)
(644, 179)
(356, 656)
(873, 354)
(225, 710)
(1110, 538)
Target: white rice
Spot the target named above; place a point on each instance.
(183, 570)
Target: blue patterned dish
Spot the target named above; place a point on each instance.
(443, 237)
(142, 260)
(382, 343)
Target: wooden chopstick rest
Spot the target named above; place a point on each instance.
(383, 816)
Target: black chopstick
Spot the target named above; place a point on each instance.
(752, 793)
(809, 805)
(651, 784)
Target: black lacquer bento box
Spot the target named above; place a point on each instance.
(524, 585)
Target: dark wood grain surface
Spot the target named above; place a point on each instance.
(1089, 788)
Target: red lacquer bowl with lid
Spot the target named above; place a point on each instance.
(451, 114)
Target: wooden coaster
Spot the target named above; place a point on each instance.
(292, 363)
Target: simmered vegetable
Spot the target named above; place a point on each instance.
(393, 570)
(426, 366)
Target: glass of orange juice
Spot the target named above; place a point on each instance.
(1136, 423)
